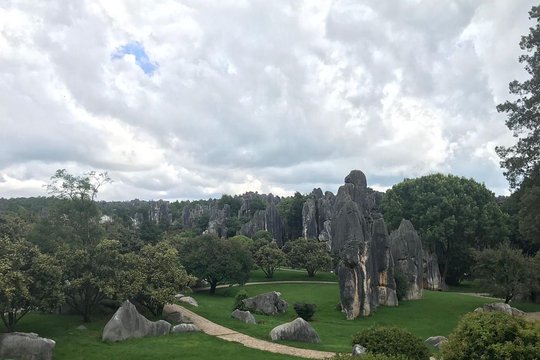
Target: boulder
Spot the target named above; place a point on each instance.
(127, 323)
(177, 318)
(189, 300)
(244, 316)
(269, 303)
(408, 257)
(358, 350)
(297, 330)
(436, 341)
(500, 307)
(360, 238)
(28, 346)
(182, 328)
(432, 279)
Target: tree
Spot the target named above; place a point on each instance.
(503, 271)
(269, 257)
(290, 209)
(523, 158)
(79, 210)
(163, 276)
(92, 274)
(309, 254)
(452, 215)
(29, 280)
(216, 260)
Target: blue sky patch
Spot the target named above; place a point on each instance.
(136, 49)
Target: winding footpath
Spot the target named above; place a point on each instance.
(227, 334)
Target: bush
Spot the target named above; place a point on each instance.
(369, 356)
(305, 311)
(392, 341)
(402, 284)
(493, 336)
(238, 304)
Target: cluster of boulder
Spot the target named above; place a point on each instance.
(127, 323)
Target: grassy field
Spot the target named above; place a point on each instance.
(76, 344)
(436, 314)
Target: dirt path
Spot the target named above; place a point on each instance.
(227, 334)
(268, 283)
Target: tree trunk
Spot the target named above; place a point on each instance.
(213, 285)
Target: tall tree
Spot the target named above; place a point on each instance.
(523, 158)
(309, 254)
(216, 260)
(452, 214)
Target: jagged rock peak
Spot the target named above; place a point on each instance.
(357, 178)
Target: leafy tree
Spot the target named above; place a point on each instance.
(452, 215)
(502, 271)
(216, 260)
(290, 209)
(92, 274)
(79, 210)
(29, 280)
(269, 257)
(163, 276)
(235, 203)
(263, 235)
(308, 254)
(522, 159)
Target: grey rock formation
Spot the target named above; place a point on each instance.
(360, 238)
(436, 341)
(188, 300)
(127, 323)
(267, 219)
(310, 228)
(177, 318)
(218, 222)
(297, 330)
(244, 316)
(317, 216)
(159, 212)
(500, 307)
(269, 303)
(25, 346)
(432, 279)
(407, 252)
(358, 350)
(183, 328)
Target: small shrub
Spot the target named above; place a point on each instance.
(238, 304)
(493, 336)
(392, 341)
(369, 356)
(401, 284)
(305, 311)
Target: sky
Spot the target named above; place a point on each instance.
(193, 99)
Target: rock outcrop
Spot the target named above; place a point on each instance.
(29, 346)
(358, 350)
(244, 316)
(269, 303)
(177, 318)
(360, 238)
(296, 330)
(408, 258)
(500, 307)
(436, 341)
(317, 216)
(432, 279)
(183, 328)
(127, 323)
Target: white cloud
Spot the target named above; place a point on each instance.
(264, 96)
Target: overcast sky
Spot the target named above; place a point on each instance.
(193, 99)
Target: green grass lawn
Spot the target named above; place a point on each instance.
(286, 274)
(76, 344)
(436, 314)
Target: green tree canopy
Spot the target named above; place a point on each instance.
(269, 257)
(503, 271)
(452, 214)
(216, 260)
(309, 254)
(29, 280)
(523, 158)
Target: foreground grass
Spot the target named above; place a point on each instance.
(76, 344)
(436, 314)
